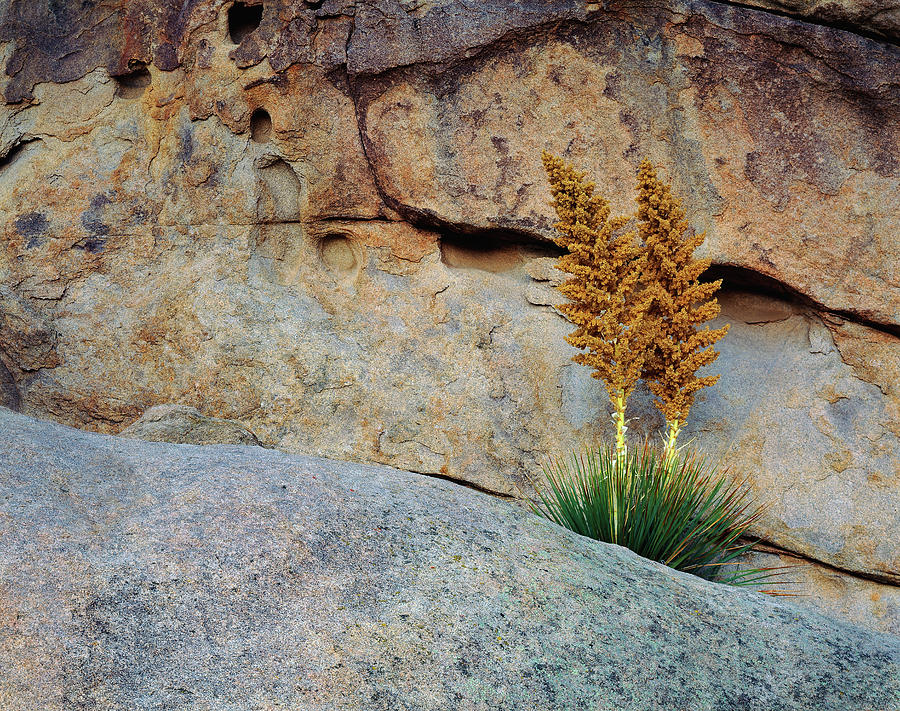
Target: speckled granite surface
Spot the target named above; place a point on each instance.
(138, 575)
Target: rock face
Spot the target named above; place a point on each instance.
(180, 424)
(818, 587)
(879, 18)
(328, 221)
(144, 576)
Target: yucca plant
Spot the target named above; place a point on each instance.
(676, 509)
(679, 303)
(606, 300)
(638, 309)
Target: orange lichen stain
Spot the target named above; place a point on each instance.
(687, 46)
(149, 334)
(831, 394)
(863, 544)
(874, 596)
(839, 461)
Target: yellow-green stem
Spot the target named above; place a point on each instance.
(621, 470)
(619, 402)
(674, 429)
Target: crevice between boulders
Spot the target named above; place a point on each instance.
(468, 485)
(766, 546)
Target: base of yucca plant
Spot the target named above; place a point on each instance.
(678, 509)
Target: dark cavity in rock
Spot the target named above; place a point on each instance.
(132, 84)
(492, 251)
(16, 151)
(741, 279)
(261, 126)
(243, 20)
(736, 278)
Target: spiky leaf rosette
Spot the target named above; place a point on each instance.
(681, 510)
(606, 300)
(680, 302)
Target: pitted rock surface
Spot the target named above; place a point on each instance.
(363, 275)
(146, 576)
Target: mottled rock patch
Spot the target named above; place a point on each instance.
(143, 576)
(180, 424)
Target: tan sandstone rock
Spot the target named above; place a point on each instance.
(765, 127)
(180, 424)
(336, 232)
(807, 584)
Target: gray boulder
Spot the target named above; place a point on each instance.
(143, 575)
(181, 424)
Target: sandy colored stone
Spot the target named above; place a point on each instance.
(874, 357)
(9, 394)
(809, 431)
(143, 575)
(26, 339)
(180, 424)
(370, 279)
(863, 602)
(544, 269)
(781, 137)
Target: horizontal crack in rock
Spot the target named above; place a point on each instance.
(766, 546)
(842, 26)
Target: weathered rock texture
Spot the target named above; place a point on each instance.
(180, 424)
(335, 231)
(867, 603)
(144, 576)
(877, 18)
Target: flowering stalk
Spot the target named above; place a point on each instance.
(606, 299)
(680, 303)
(673, 430)
(621, 428)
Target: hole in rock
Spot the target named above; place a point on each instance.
(17, 151)
(494, 252)
(132, 84)
(261, 126)
(752, 297)
(741, 279)
(243, 19)
(336, 253)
